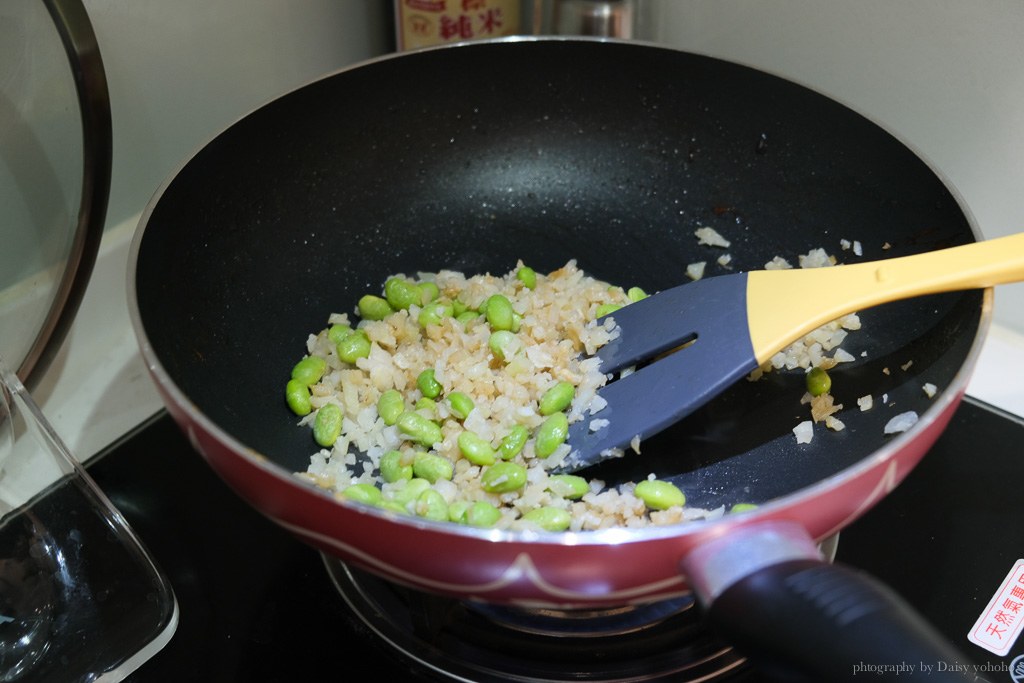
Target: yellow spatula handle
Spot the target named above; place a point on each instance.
(784, 305)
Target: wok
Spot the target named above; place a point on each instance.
(610, 153)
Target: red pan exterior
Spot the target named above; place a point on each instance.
(558, 570)
(211, 240)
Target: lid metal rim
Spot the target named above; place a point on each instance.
(80, 45)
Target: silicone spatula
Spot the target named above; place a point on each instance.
(717, 330)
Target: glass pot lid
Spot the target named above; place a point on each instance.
(80, 597)
(55, 159)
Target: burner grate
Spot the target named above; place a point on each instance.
(465, 641)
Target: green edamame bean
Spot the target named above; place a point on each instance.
(527, 276)
(636, 294)
(549, 518)
(475, 449)
(557, 398)
(433, 314)
(459, 307)
(393, 506)
(296, 394)
(426, 404)
(432, 505)
(418, 428)
(390, 405)
(818, 382)
(461, 404)
(568, 486)
(659, 495)
(338, 332)
(551, 434)
(503, 477)
(467, 317)
(606, 309)
(363, 493)
(327, 425)
(412, 490)
(400, 293)
(482, 514)
(457, 511)
(503, 344)
(499, 312)
(428, 292)
(428, 386)
(432, 467)
(372, 307)
(393, 467)
(512, 443)
(309, 370)
(353, 346)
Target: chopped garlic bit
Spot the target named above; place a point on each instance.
(906, 366)
(930, 389)
(822, 406)
(810, 351)
(724, 260)
(695, 271)
(865, 402)
(777, 263)
(842, 356)
(816, 258)
(711, 237)
(834, 423)
(855, 245)
(804, 431)
(901, 422)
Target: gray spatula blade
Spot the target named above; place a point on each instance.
(713, 314)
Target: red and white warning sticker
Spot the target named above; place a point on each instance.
(997, 628)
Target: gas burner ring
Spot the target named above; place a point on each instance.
(448, 639)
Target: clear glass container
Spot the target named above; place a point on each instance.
(80, 598)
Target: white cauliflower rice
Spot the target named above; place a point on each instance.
(553, 335)
(556, 333)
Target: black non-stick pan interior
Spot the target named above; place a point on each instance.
(612, 154)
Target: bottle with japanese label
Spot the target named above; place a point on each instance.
(422, 23)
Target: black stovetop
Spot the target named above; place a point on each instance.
(257, 605)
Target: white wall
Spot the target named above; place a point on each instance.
(180, 71)
(945, 76)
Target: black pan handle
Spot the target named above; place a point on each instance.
(768, 591)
